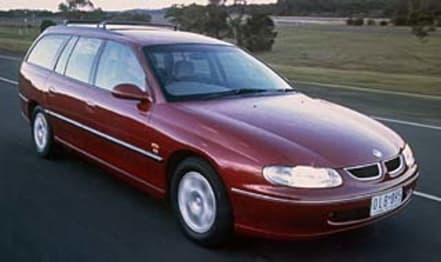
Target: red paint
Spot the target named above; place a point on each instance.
(238, 136)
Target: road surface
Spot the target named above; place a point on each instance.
(70, 210)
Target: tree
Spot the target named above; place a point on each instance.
(45, 24)
(258, 33)
(217, 2)
(131, 16)
(421, 17)
(216, 24)
(423, 23)
(73, 8)
(188, 18)
(75, 5)
(237, 22)
(210, 20)
(255, 32)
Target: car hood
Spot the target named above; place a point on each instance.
(298, 129)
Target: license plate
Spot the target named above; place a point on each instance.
(386, 202)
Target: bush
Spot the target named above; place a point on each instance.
(359, 21)
(400, 21)
(258, 33)
(421, 18)
(384, 23)
(371, 22)
(350, 21)
(45, 24)
(131, 16)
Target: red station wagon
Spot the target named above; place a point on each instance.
(200, 122)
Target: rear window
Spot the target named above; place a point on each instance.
(81, 61)
(62, 61)
(45, 51)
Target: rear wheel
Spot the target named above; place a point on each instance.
(201, 203)
(42, 135)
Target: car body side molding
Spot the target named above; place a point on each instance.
(106, 136)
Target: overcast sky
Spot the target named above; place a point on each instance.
(106, 4)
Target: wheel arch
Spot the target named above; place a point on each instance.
(178, 156)
(30, 109)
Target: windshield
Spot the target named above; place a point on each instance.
(187, 72)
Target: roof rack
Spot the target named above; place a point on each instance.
(102, 24)
(82, 22)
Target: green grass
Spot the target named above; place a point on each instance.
(398, 62)
(16, 40)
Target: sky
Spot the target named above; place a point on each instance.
(107, 4)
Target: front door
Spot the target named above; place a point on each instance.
(123, 125)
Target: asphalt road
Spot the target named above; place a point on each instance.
(69, 210)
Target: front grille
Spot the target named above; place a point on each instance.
(394, 166)
(366, 172)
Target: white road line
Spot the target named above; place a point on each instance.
(427, 196)
(6, 57)
(407, 123)
(12, 82)
(420, 194)
(370, 90)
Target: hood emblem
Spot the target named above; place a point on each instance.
(377, 153)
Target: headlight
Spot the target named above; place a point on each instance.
(408, 156)
(302, 176)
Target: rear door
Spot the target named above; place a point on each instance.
(69, 90)
(37, 68)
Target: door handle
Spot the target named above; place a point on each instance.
(90, 103)
(90, 106)
(51, 90)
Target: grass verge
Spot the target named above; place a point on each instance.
(397, 62)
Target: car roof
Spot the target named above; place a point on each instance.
(145, 36)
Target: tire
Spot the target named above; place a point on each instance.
(42, 135)
(190, 204)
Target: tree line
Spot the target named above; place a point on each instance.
(250, 25)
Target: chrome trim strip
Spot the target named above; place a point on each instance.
(313, 202)
(380, 171)
(99, 160)
(105, 136)
(22, 97)
(363, 220)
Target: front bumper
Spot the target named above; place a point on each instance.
(275, 217)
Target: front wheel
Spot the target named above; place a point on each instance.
(201, 203)
(42, 135)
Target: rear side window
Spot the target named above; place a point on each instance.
(119, 65)
(81, 60)
(45, 51)
(61, 64)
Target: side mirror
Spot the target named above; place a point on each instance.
(131, 92)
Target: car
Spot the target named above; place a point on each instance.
(201, 123)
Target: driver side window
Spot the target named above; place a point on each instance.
(119, 65)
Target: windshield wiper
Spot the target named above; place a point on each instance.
(234, 92)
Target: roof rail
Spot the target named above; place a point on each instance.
(82, 22)
(102, 24)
